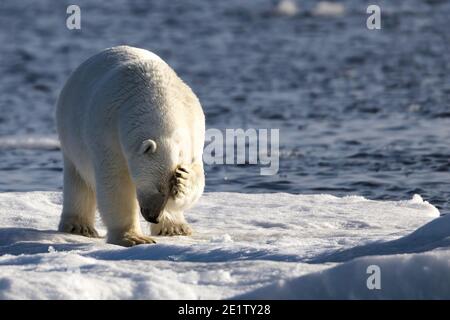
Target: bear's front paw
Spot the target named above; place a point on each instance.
(167, 228)
(130, 239)
(76, 227)
(181, 182)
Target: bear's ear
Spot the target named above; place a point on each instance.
(148, 146)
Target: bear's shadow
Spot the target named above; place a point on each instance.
(17, 241)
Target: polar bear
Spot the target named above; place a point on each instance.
(132, 135)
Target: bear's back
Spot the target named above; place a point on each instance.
(106, 73)
(94, 70)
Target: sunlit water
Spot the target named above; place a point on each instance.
(359, 112)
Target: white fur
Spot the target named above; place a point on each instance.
(126, 121)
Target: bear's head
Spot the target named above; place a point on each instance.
(152, 167)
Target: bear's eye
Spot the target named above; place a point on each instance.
(148, 146)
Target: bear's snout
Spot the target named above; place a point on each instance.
(153, 207)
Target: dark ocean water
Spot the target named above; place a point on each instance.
(360, 112)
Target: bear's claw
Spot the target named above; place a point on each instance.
(80, 229)
(167, 228)
(131, 239)
(180, 182)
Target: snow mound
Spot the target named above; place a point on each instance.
(243, 244)
(419, 276)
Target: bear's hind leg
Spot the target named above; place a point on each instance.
(78, 214)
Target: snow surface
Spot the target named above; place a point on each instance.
(245, 246)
